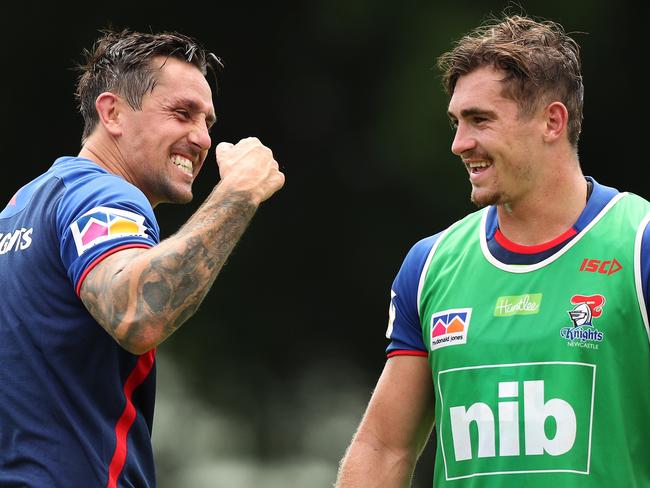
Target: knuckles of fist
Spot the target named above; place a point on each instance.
(250, 156)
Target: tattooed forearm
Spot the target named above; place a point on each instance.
(141, 300)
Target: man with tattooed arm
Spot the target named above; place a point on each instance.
(88, 289)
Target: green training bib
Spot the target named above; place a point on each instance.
(541, 372)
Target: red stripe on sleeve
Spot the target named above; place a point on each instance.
(104, 256)
(406, 352)
(135, 379)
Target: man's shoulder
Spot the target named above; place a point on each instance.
(423, 246)
(86, 181)
(81, 172)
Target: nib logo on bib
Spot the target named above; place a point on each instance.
(449, 327)
(102, 224)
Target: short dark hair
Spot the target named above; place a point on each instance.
(541, 64)
(120, 61)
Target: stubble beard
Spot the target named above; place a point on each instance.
(481, 201)
(169, 193)
(179, 198)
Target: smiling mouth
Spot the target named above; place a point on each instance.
(475, 167)
(182, 162)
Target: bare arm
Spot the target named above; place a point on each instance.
(142, 296)
(394, 430)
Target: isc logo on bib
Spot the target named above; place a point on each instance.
(516, 418)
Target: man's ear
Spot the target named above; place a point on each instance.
(556, 117)
(108, 108)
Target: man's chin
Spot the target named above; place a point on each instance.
(483, 199)
(179, 198)
(183, 199)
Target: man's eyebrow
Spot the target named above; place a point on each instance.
(473, 112)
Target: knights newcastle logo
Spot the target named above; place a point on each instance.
(583, 333)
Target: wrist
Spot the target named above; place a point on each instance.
(244, 199)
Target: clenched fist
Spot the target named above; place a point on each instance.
(249, 167)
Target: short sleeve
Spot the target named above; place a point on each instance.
(404, 328)
(99, 215)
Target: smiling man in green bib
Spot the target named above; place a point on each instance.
(520, 332)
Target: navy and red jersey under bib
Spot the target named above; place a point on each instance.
(76, 409)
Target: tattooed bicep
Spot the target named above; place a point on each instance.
(100, 291)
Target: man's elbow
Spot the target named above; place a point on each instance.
(138, 338)
(138, 333)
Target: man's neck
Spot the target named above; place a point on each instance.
(104, 156)
(545, 214)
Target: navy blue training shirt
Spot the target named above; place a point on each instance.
(76, 409)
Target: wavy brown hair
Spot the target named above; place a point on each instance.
(541, 64)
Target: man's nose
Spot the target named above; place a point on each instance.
(463, 140)
(200, 137)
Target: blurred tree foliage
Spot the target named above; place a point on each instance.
(347, 94)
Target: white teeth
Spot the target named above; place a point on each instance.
(183, 163)
(482, 164)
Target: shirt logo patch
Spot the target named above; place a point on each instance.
(18, 240)
(608, 267)
(528, 419)
(527, 304)
(449, 327)
(583, 333)
(102, 224)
